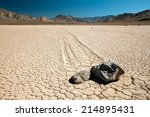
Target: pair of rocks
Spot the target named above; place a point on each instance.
(103, 73)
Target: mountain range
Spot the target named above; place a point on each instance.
(8, 17)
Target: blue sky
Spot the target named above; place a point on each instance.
(78, 8)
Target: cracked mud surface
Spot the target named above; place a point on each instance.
(36, 62)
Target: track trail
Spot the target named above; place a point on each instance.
(36, 62)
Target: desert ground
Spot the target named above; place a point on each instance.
(36, 62)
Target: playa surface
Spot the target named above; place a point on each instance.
(36, 62)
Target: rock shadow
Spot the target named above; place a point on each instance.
(77, 80)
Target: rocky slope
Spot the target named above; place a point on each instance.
(8, 17)
(44, 19)
(65, 19)
(5, 14)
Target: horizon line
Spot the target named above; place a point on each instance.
(73, 15)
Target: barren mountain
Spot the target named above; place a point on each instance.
(7, 17)
(123, 18)
(69, 18)
(95, 19)
(131, 17)
(65, 19)
(5, 14)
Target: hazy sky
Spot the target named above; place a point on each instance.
(78, 8)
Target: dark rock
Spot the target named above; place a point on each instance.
(103, 73)
(107, 71)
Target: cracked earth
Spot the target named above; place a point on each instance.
(36, 62)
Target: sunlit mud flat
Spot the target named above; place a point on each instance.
(36, 62)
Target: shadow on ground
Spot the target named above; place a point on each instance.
(92, 78)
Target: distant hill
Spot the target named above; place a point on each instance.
(96, 19)
(5, 14)
(131, 17)
(8, 17)
(126, 17)
(64, 18)
(69, 18)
